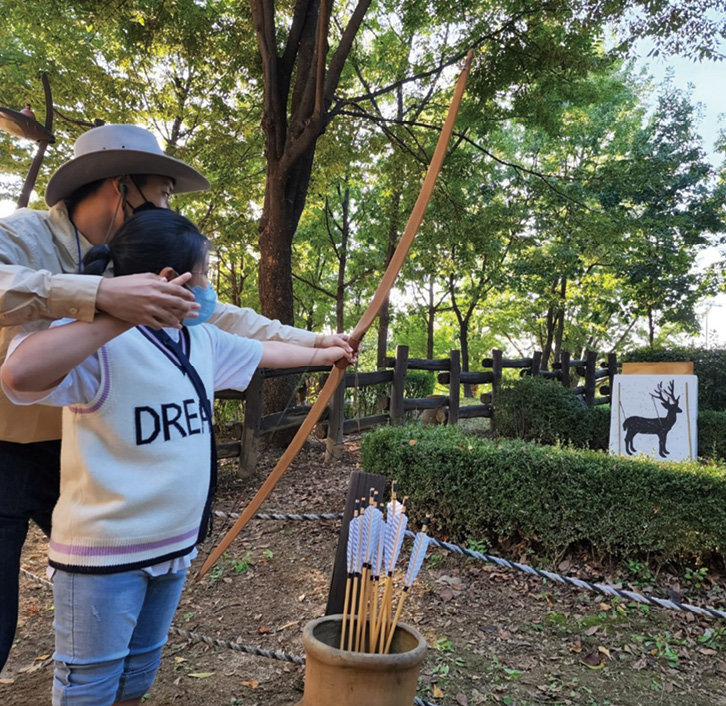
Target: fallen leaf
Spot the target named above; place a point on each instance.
(251, 682)
(592, 630)
(46, 656)
(592, 661)
(577, 647)
(461, 699)
(201, 675)
(264, 630)
(436, 692)
(604, 651)
(7, 681)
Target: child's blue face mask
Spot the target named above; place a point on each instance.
(206, 297)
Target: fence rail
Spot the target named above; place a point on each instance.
(395, 406)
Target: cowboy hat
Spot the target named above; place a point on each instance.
(114, 150)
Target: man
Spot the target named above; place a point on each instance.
(115, 170)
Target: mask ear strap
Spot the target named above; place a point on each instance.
(123, 190)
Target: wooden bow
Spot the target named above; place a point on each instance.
(336, 373)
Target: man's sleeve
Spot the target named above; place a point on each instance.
(245, 322)
(29, 293)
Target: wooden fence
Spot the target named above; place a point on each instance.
(394, 407)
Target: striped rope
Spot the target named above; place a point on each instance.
(570, 581)
(190, 635)
(579, 583)
(257, 651)
(284, 516)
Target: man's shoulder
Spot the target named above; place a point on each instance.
(25, 219)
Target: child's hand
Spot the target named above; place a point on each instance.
(342, 357)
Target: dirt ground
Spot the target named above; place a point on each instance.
(495, 636)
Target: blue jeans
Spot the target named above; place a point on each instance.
(29, 484)
(109, 633)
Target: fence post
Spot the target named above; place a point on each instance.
(496, 383)
(454, 387)
(565, 369)
(400, 367)
(612, 371)
(336, 417)
(536, 363)
(590, 365)
(251, 426)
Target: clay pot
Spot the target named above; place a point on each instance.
(335, 677)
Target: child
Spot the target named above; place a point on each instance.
(136, 469)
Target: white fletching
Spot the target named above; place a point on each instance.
(351, 551)
(379, 529)
(395, 532)
(373, 517)
(418, 554)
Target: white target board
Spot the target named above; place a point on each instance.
(654, 416)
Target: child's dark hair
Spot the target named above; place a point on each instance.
(149, 241)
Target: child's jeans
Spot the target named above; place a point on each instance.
(109, 633)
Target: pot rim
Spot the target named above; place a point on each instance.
(329, 654)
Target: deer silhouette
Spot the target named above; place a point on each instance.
(660, 426)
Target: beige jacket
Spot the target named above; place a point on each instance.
(39, 282)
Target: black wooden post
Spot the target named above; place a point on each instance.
(360, 485)
(397, 386)
(590, 382)
(454, 387)
(251, 425)
(536, 363)
(612, 371)
(496, 384)
(336, 419)
(565, 368)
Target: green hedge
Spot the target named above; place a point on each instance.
(712, 434)
(708, 364)
(541, 410)
(551, 496)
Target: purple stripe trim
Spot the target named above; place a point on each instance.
(169, 354)
(73, 550)
(104, 392)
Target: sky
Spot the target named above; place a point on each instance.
(707, 82)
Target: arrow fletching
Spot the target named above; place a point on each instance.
(395, 532)
(418, 554)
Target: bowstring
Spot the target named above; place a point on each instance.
(238, 502)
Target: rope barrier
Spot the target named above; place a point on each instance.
(570, 581)
(284, 516)
(257, 651)
(213, 641)
(579, 583)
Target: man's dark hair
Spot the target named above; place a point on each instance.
(83, 192)
(148, 242)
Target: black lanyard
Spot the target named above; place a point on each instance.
(180, 355)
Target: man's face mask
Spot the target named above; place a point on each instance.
(206, 297)
(146, 205)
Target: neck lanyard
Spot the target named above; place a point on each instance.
(181, 355)
(78, 245)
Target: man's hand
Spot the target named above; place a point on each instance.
(147, 300)
(339, 340)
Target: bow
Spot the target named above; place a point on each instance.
(369, 315)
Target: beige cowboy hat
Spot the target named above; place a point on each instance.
(114, 150)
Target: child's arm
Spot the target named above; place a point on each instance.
(45, 357)
(288, 355)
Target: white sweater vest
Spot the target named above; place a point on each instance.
(135, 461)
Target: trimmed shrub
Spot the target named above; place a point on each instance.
(708, 364)
(541, 410)
(712, 434)
(553, 497)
